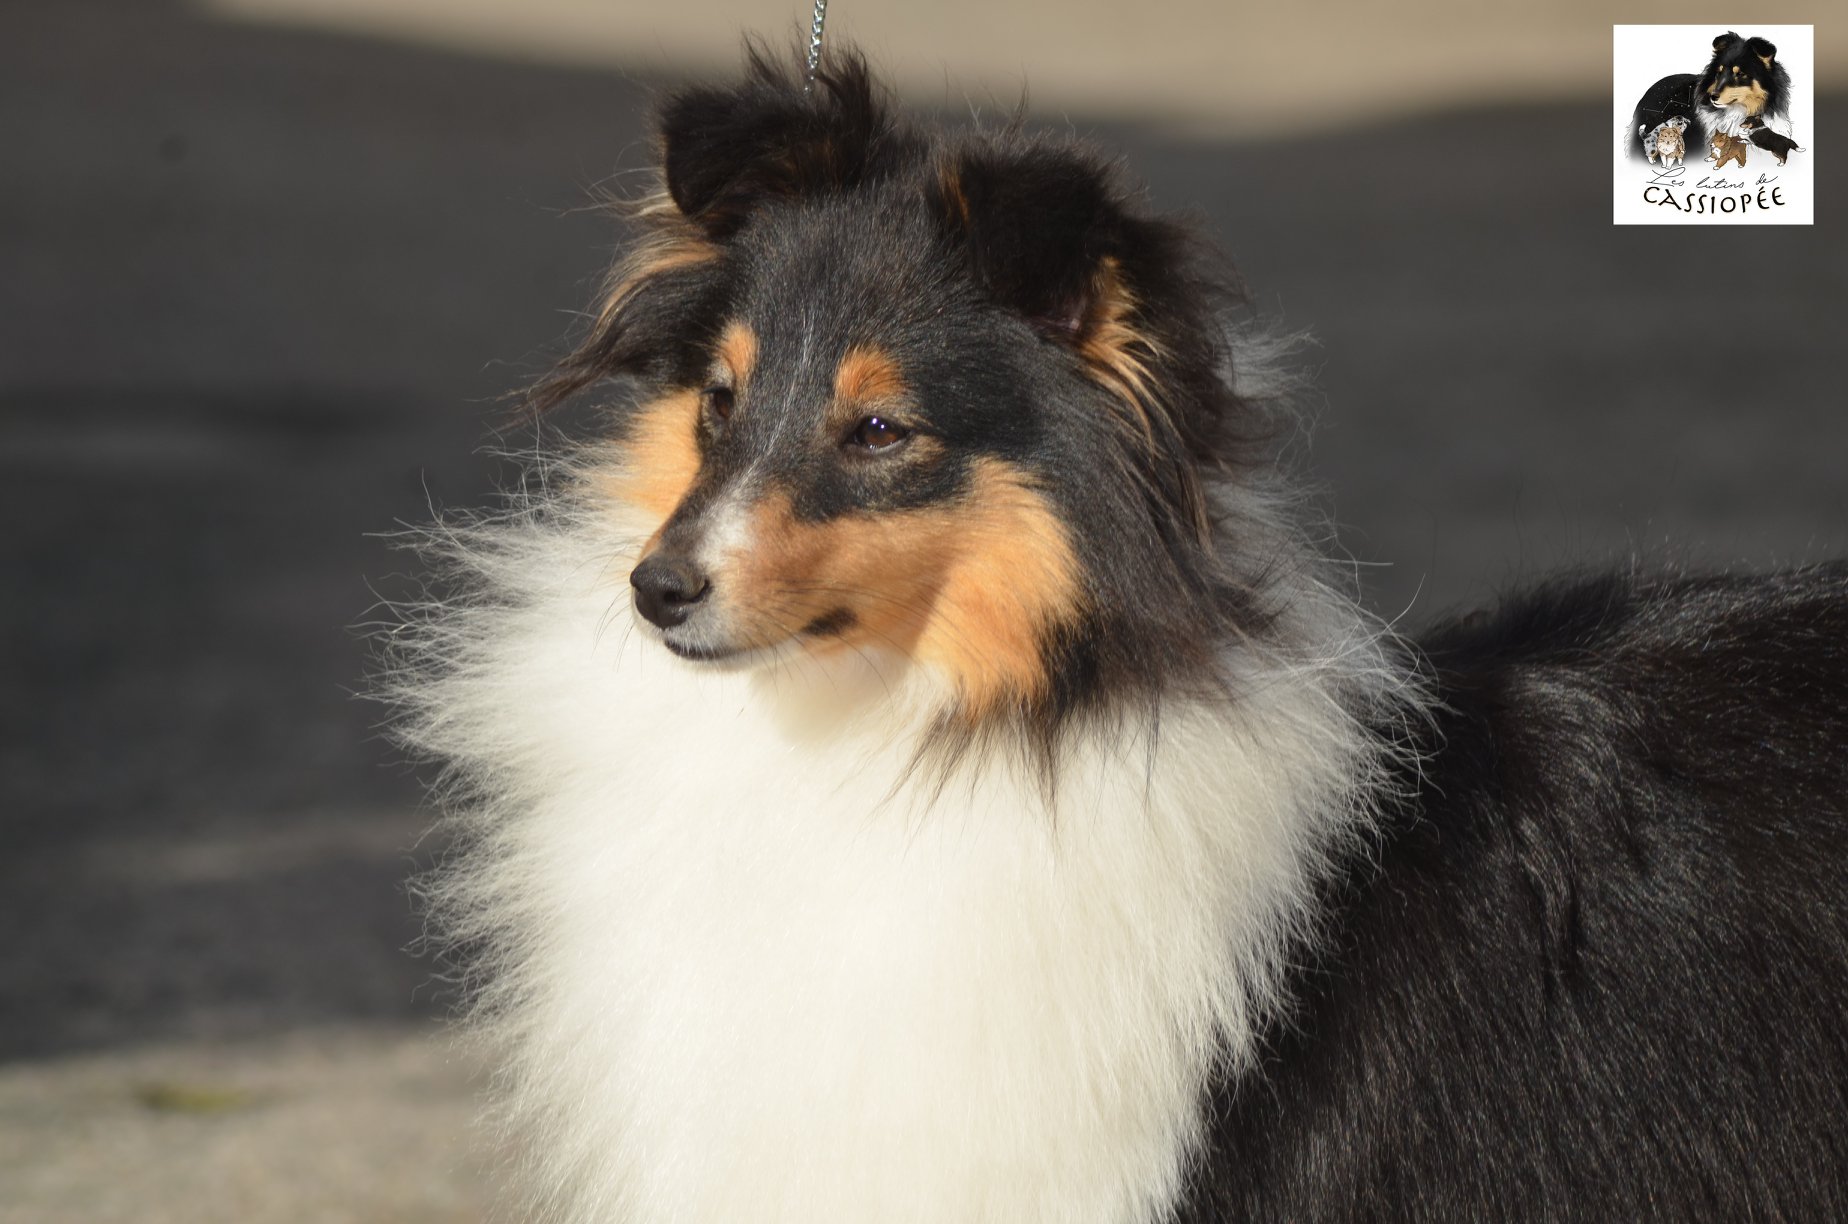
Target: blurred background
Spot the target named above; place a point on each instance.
(266, 267)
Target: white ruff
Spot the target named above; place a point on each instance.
(745, 967)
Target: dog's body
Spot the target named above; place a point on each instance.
(1773, 142)
(1036, 831)
(1667, 141)
(1727, 149)
(1594, 970)
(1743, 80)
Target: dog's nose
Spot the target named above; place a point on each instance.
(667, 589)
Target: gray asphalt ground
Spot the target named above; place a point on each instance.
(259, 292)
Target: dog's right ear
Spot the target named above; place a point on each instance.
(725, 152)
(1724, 41)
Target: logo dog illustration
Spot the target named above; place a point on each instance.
(1777, 144)
(1667, 141)
(1727, 148)
(1742, 81)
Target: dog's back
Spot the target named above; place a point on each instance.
(1597, 966)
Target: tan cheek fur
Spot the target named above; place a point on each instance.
(1752, 97)
(971, 589)
(657, 463)
(655, 466)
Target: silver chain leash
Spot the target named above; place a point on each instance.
(814, 51)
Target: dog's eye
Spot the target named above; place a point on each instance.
(717, 401)
(878, 434)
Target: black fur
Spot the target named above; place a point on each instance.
(1594, 965)
(1776, 143)
(1671, 97)
(1690, 95)
(1597, 964)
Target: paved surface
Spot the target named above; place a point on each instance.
(258, 291)
(337, 1125)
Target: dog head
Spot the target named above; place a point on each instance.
(1744, 75)
(948, 395)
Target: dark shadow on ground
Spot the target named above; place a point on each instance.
(262, 290)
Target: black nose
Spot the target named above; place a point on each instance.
(667, 589)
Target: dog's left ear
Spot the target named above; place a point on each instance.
(1763, 48)
(1049, 234)
(1038, 225)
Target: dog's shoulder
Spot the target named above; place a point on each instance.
(1712, 683)
(1623, 726)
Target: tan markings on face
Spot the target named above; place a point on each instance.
(868, 373)
(658, 461)
(866, 380)
(738, 350)
(971, 589)
(1751, 96)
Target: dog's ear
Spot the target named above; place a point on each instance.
(1763, 48)
(648, 322)
(1048, 233)
(1037, 223)
(1724, 41)
(725, 152)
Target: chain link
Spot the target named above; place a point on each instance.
(814, 50)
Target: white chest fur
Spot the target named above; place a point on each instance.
(748, 968)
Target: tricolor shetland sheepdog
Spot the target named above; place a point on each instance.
(917, 764)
